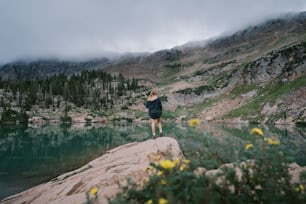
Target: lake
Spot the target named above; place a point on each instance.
(32, 155)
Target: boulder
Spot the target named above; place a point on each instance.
(103, 174)
(36, 120)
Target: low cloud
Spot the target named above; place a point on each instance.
(70, 29)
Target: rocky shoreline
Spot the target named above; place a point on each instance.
(103, 173)
(110, 171)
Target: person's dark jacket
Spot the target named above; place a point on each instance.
(155, 108)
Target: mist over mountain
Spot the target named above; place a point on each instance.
(84, 30)
(151, 63)
(270, 35)
(249, 75)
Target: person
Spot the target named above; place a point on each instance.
(155, 111)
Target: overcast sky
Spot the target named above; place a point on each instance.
(69, 29)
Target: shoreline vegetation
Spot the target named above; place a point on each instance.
(40, 121)
(157, 171)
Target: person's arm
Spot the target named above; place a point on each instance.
(146, 104)
(160, 104)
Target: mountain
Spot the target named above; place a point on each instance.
(256, 74)
(253, 41)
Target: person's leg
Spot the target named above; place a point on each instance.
(160, 127)
(153, 127)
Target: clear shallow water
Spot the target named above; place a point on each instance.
(30, 156)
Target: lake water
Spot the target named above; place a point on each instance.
(32, 155)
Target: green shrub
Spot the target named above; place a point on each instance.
(66, 119)
(263, 178)
(11, 116)
(169, 115)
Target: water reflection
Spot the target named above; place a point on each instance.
(31, 155)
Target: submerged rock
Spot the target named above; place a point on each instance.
(103, 174)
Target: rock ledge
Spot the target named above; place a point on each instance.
(118, 164)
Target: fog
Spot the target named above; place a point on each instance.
(79, 29)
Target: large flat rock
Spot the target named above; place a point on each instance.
(127, 161)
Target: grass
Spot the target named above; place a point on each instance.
(280, 89)
(166, 81)
(304, 38)
(169, 115)
(268, 93)
(168, 72)
(140, 114)
(264, 175)
(196, 109)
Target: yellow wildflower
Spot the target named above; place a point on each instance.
(159, 173)
(162, 201)
(177, 161)
(272, 141)
(301, 187)
(93, 191)
(149, 202)
(145, 181)
(248, 146)
(163, 182)
(167, 164)
(257, 131)
(194, 122)
(183, 167)
(186, 161)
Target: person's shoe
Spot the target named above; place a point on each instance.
(161, 134)
(154, 136)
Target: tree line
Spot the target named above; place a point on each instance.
(90, 89)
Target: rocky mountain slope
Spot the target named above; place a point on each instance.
(255, 75)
